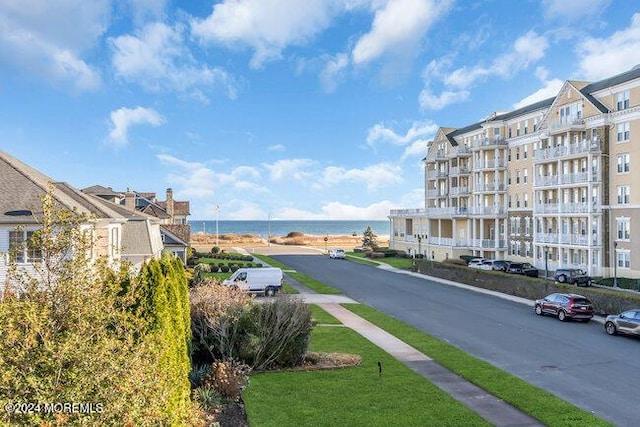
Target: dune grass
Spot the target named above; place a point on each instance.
(355, 396)
(528, 398)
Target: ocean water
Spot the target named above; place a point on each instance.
(282, 228)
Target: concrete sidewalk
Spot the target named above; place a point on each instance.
(489, 407)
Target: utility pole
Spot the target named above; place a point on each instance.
(217, 215)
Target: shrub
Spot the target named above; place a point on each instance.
(208, 397)
(192, 261)
(215, 250)
(375, 254)
(455, 261)
(234, 267)
(224, 268)
(229, 378)
(295, 234)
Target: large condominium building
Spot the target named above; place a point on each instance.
(549, 183)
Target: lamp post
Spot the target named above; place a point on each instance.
(419, 240)
(615, 265)
(217, 215)
(269, 230)
(546, 262)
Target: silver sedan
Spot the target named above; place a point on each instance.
(627, 322)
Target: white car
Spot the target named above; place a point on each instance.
(337, 253)
(476, 263)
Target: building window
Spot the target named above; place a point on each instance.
(623, 258)
(535, 124)
(517, 200)
(518, 129)
(623, 162)
(623, 132)
(509, 198)
(524, 151)
(526, 124)
(509, 132)
(526, 200)
(517, 153)
(623, 100)
(21, 248)
(624, 228)
(623, 194)
(517, 176)
(115, 244)
(525, 175)
(527, 226)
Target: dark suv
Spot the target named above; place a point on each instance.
(523, 268)
(574, 276)
(565, 306)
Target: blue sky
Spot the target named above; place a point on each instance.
(298, 109)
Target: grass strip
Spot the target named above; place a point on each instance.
(322, 317)
(530, 399)
(310, 282)
(355, 396)
(397, 262)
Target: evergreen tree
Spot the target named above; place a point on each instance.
(369, 239)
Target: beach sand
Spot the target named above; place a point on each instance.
(204, 242)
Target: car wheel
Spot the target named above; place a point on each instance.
(562, 316)
(610, 327)
(539, 310)
(270, 292)
(562, 278)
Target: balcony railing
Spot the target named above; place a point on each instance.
(436, 174)
(568, 239)
(459, 170)
(447, 241)
(446, 212)
(435, 193)
(489, 243)
(566, 124)
(489, 188)
(489, 142)
(407, 212)
(566, 208)
(458, 191)
(583, 147)
(460, 150)
(491, 164)
(487, 210)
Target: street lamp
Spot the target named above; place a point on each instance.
(546, 262)
(615, 265)
(269, 230)
(217, 215)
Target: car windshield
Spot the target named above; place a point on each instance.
(581, 301)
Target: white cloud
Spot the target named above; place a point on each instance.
(374, 176)
(241, 209)
(123, 118)
(415, 139)
(276, 147)
(604, 57)
(550, 88)
(147, 10)
(47, 39)
(342, 211)
(525, 51)
(430, 101)
(573, 10)
(333, 71)
(289, 169)
(266, 26)
(157, 58)
(192, 179)
(397, 24)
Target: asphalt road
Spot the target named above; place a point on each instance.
(577, 362)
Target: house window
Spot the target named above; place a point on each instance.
(624, 228)
(21, 248)
(517, 176)
(535, 124)
(527, 226)
(517, 153)
(518, 129)
(623, 132)
(517, 200)
(526, 124)
(623, 194)
(525, 175)
(115, 244)
(524, 151)
(623, 258)
(623, 162)
(509, 132)
(509, 200)
(526, 200)
(623, 100)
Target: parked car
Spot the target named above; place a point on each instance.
(565, 306)
(476, 263)
(487, 264)
(501, 265)
(574, 276)
(627, 322)
(523, 268)
(337, 254)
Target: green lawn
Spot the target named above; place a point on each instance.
(397, 262)
(355, 396)
(528, 398)
(322, 317)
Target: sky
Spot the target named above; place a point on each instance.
(282, 109)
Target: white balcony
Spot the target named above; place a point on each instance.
(446, 212)
(545, 180)
(487, 210)
(437, 174)
(489, 142)
(447, 241)
(583, 147)
(546, 237)
(407, 212)
(459, 170)
(434, 193)
(489, 188)
(458, 191)
(489, 243)
(566, 124)
(460, 151)
(491, 164)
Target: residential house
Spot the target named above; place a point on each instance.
(118, 234)
(550, 183)
(172, 214)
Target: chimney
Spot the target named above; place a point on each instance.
(130, 200)
(169, 204)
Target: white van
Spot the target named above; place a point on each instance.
(267, 281)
